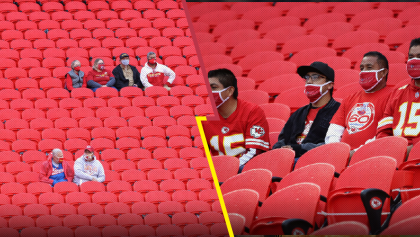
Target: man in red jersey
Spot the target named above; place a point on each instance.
(357, 118)
(307, 126)
(243, 128)
(401, 116)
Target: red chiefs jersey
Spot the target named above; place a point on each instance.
(245, 128)
(402, 114)
(359, 114)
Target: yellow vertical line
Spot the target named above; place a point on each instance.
(213, 173)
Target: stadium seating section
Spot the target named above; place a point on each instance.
(158, 181)
(263, 43)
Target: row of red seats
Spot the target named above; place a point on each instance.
(135, 155)
(189, 191)
(65, 1)
(29, 29)
(217, 230)
(102, 9)
(97, 105)
(105, 93)
(58, 134)
(100, 221)
(20, 173)
(123, 144)
(300, 10)
(90, 123)
(144, 165)
(64, 41)
(71, 108)
(92, 6)
(164, 52)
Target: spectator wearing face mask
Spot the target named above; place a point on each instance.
(153, 73)
(74, 78)
(99, 76)
(88, 168)
(55, 169)
(307, 127)
(126, 74)
(356, 120)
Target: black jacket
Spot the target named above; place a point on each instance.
(121, 81)
(296, 124)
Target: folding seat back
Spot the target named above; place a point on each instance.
(336, 154)
(126, 143)
(221, 164)
(21, 222)
(157, 219)
(394, 147)
(406, 211)
(74, 221)
(131, 111)
(101, 144)
(70, 104)
(122, 165)
(152, 143)
(90, 123)
(103, 132)
(128, 132)
(367, 181)
(170, 208)
(144, 187)
(260, 184)
(270, 218)
(63, 231)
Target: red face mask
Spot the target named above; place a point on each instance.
(60, 160)
(218, 99)
(314, 92)
(369, 79)
(101, 66)
(152, 61)
(413, 68)
(77, 68)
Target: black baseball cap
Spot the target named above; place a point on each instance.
(123, 55)
(319, 67)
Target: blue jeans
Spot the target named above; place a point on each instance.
(94, 89)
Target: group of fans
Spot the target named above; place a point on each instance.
(123, 75)
(86, 168)
(374, 112)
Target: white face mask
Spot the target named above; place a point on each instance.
(125, 62)
(218, 99)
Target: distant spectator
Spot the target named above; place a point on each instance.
(88, 168)
(99, 76)
(126, 74)
(153, 73)
(74, 78)
(56, 169)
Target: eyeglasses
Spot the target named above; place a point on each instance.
(315, 77)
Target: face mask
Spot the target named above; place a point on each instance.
(152, 61)
(88, 158)
(218, 99)
(314, 92)
(60, 160)
(101, 66)
(369, 79)
(125, 62)
(413, 68)
(77, 68)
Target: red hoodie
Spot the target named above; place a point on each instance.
(46, 171)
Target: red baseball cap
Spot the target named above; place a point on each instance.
(89, 148)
